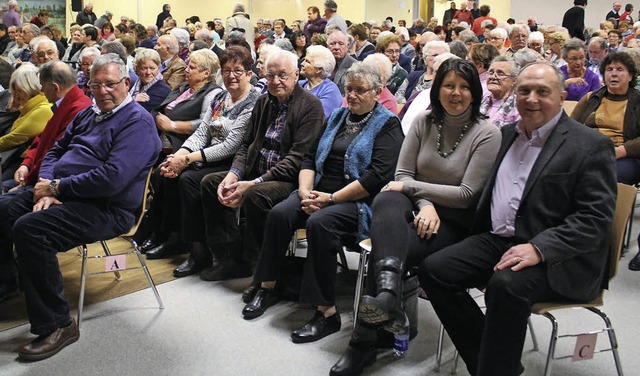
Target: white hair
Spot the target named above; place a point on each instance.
(502, 33)
(181, 35)
(403, 32)
(536, 36)
(43, 40)
(290, 57)
(88, 52)
(464, 24)
(435, 44)
(322, 58)
(382, 62)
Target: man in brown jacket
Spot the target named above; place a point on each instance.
(172, 67)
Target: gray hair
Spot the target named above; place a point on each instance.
(438, 60)
(403, 32)
(365, 73)
(89, 52)
(206, 59)
(59, 73)
(238, 7)
(284, 44)
(153, 27)
(291, 58)
(172, 43)
(108, 13)
(146, 54)
(435, 44)
(35, 29)
(181, 35)
(574, 44)
(459, 49)
(502, 33)
(600, 42)
(103, 61)
(382, 63)
(559, 75)
(25, 79)
(204, 35)
(387, 23)
(517, 28)
(464, 34)
(43, 41)
(515, 68)
(12, 3)
(525, 56)
(536, 36)
(115, 48)
(322, 58)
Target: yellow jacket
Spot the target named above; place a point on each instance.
(34, 116)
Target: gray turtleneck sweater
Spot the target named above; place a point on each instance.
(455, 181)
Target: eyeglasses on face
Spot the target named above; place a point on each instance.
(357, 90)
(498, 74)
(281, 76)
(236, 72)
(48, 53)
(109, 86)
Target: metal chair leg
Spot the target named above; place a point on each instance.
(83, 278)
(454, 366)
(534, 339)
(552, 343)
(364, 260)
(625, 245)
(613, 341)
(439, 349)
(146, 272)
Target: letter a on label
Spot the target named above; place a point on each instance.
(115, 263)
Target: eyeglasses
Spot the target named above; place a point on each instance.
(574, 59)
(85, 64)
(109, 86)
(357, 90)
(498, 74)
(282, 76)
(392, 52)
(236, 73)
(336, 44)
(496, 38)
(48, 53)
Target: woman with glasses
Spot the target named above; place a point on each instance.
(150, 90)
(390, 45)
(577, 78)
(339, 178)
(499, 104)
(444, 162)
(72, 53)
(177, 206)
(497, 37)
(556, 41)
(317, 66)
(179, 116)
(299, 42)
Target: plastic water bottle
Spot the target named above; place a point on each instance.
(401, 336)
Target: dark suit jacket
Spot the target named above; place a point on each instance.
(341, 69)
(573, 20)
(567, 206)
(303, 126)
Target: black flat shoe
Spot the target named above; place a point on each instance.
(166, 250)
(189, 267)
(149, 243)
(250, 292)
(317, 328)
(227, 270)
(634, 264)
(353, 362)
(263, 299)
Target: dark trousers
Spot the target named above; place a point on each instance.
(224, 238)
(393, 234)
(177, 203)
(628, 170)
(490, 344)
(38, 236)
(325, 228)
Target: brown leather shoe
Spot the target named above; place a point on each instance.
(43, 348)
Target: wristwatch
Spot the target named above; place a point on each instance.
(52, 187)
(187, 160)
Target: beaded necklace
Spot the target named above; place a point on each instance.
(355, 126)
(455, 145)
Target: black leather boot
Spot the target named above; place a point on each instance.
(375, 310)
(361, 352)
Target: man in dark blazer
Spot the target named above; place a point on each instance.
(540, 231)
(573, 19)
(338, 44)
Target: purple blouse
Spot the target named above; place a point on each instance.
(576, 92)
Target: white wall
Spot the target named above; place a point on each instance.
(550, 12)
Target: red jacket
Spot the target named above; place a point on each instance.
(72, 103)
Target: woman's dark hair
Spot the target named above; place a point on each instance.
(438, 29)
(91, 32)
(238, 54)
(211, 25)
(107, 24)
(121, 28)
(295, 36)
(468, 72)
(624, 59)
(234, 41)
(194, 19)
(628, 8)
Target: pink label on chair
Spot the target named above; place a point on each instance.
(115, 263)
(585, 346)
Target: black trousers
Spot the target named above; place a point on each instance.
(224, 237)
(325, 228)
(490, 344)
(177, 203)
(392, 234)
(38, 236)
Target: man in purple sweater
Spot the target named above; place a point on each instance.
(90, 186)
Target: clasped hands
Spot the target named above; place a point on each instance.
(173, 166)
(42, 196)
(312, 201)
(231, 190)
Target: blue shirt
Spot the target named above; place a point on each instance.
(328, 93)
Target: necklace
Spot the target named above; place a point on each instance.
(439, 143)
(355, 126)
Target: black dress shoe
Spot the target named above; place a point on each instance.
(149, 243)
(634, 264)
(317, 328)
(44, 347)
(353, 361)
(189, 267)
(166, 250)
(250, 292)
(264, 299)
(227, 270)
(8, 291)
